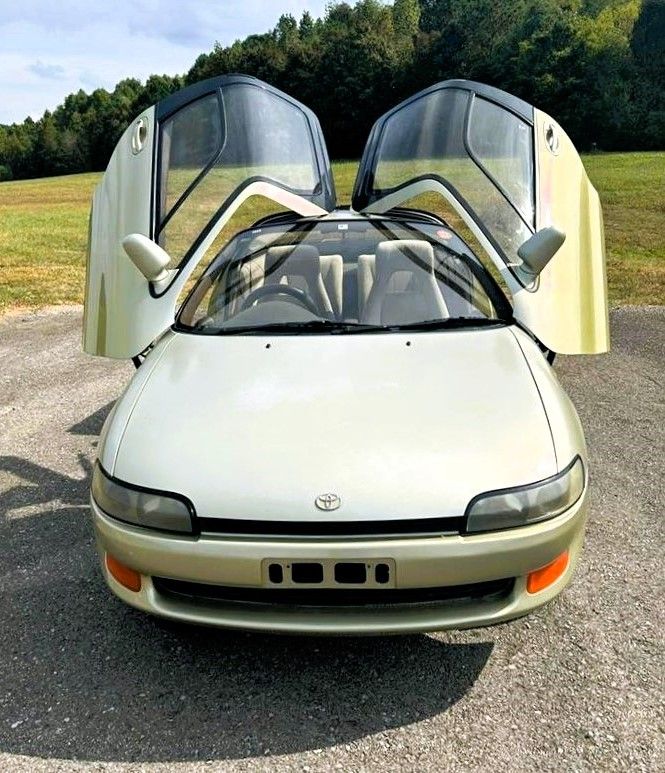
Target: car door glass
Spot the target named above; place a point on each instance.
(190, 140)
(426, 139)
(262, 137)
(423, 138)
(502, 144)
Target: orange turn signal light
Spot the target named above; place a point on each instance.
(542, 578)
(128, 578)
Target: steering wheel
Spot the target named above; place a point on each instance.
(294, 293)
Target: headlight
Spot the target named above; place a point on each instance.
(527, 504)
(141, 507)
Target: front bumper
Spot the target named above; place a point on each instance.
(420, 562)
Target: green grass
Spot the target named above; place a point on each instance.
(43, 230)
(632, 192)
(43, 234)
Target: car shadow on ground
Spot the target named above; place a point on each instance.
(86, 677)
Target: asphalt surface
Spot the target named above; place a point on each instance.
(86, 682)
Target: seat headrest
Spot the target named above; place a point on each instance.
(404, 255)
(300, 259)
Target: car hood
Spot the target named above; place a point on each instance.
(397, 426)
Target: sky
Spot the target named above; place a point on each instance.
(50, 48)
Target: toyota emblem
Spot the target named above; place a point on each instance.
(327, 501)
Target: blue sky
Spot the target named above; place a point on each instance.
(53, 47)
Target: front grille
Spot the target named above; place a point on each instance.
(412, 527)
(494, 590)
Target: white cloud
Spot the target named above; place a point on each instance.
(51, 49)
(54, 72)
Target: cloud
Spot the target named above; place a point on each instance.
(54, 72)
(91, 80)
(52, 49)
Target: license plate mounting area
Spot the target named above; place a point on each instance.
(328, 573)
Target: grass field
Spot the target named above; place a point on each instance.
(43, 230)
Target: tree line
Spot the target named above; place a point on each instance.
(597, 66)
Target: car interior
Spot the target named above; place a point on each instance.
(353, 272)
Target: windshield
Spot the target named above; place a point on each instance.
(343, 276)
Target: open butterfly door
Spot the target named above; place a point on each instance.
(510, 172)
(177, 175)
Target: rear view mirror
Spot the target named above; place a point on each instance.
(150, 259)
(539, 249)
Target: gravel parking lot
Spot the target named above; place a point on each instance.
(87, 682)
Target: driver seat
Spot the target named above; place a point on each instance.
(299, 266)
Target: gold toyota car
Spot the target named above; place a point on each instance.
(348, 423)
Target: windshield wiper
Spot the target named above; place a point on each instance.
(312, 326)
(336, 327)
(446, 324)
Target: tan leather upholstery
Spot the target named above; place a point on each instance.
(405, 287)
(251, 272)
(365, 278)
(295, 272)
(290, 263)
(366, 274)
(332, 271)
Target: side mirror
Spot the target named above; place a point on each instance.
(150, 259)
(539, 249)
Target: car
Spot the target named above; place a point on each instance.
(349, 422)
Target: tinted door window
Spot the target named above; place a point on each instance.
(480, 151)
(210, 148)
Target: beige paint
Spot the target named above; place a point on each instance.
(420, 562)
(122, 318)
(115, 289)
(565, 425)
(568, 309)
(393, 429)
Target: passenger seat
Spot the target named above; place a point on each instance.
(405, 289)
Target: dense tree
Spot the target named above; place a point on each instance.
(406, 17)
(306, 27)
(156, 88)
(598, 66)
(648, 48)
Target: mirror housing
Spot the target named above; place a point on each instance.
(150, 259)
(539, 249)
